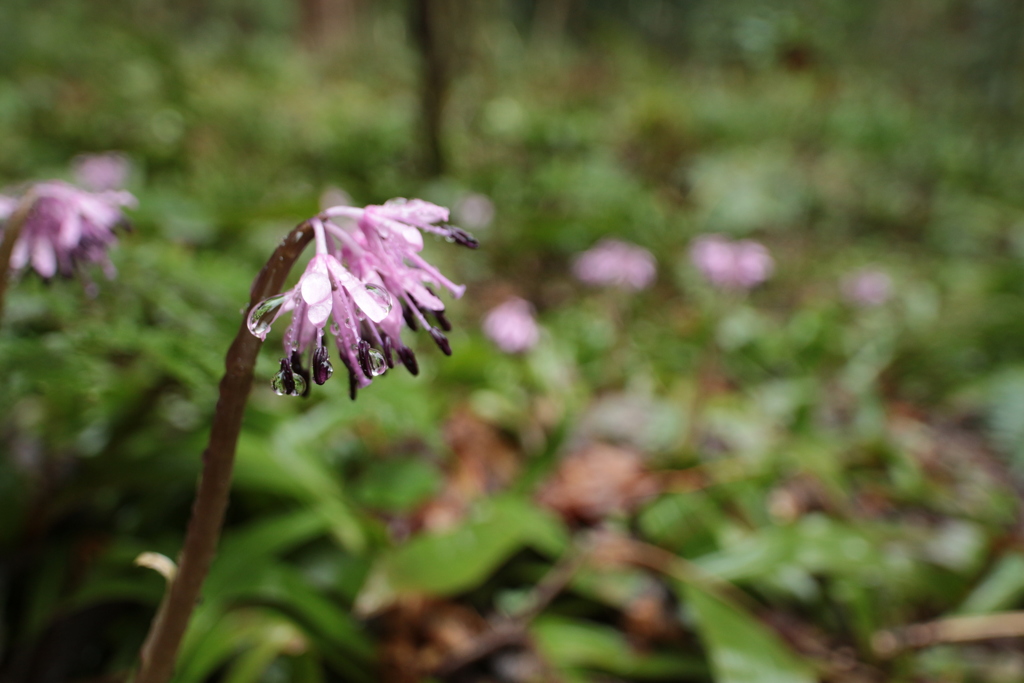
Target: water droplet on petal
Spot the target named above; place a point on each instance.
(378, 366)
(288, 386)
(381, 296)
(263, 314)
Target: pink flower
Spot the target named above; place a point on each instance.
(512, 327)
(65, 227)
(867, 288)
(101, 172)
(741, 264)
(334, 196)
(352, 283)
(475, 210)
(616, 263)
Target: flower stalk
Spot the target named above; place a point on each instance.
(160, 649)
(351, 279)
(12, 230)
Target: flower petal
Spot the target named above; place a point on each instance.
(44, 259)
(318, 313)
(316, 288)
(357, 290)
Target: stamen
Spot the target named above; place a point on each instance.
(353, 385)
(410, 320)
(416, 310)
(441, 341)
(285, 379)
(386, 345)
(363, 355)
(439, 315)
(442, 320)
(353, 381)
(322, 368)
(408, 359)
(296, 363)
(460, 236)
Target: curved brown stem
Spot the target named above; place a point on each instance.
(11, 231)
(160, 650)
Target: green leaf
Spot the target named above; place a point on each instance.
(814, 543)
(244, 550)
(397, 485)
(1000, 589)
(741, 649)
(571, 643)
(458, 560)
(295, 470)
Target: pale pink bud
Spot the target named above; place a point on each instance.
(616, 263)
(512, 326)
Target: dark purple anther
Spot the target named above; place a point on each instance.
(287, 377)
(441, 341)
(408, 360)
(442, 320)
(462, 237)
(385, 342)
(410, 319)
(322, 369)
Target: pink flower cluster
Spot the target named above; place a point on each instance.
(101, 172)
(616, 263)
(367, 261)
(64, 227)
(740, 264)
(867, 288)
(512, 326)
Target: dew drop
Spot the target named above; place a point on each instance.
(378, 366)
(381, 296)
(262, 315)
(288, 386)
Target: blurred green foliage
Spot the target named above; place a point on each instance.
(857, 469)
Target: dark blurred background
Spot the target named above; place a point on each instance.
(678, 482)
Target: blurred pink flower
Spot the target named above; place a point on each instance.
(868, 287)
(475, 211)
(101, 172)
(334, 196)
(7, 206)
(512, 327)
(616, 263)
(729, 264)
(65, 227)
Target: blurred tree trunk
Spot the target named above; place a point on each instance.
(427, 18)
(1000, 65)
(444, 32)
(550, 18)
(325, 22)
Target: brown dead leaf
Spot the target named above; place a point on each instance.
(597, 481)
